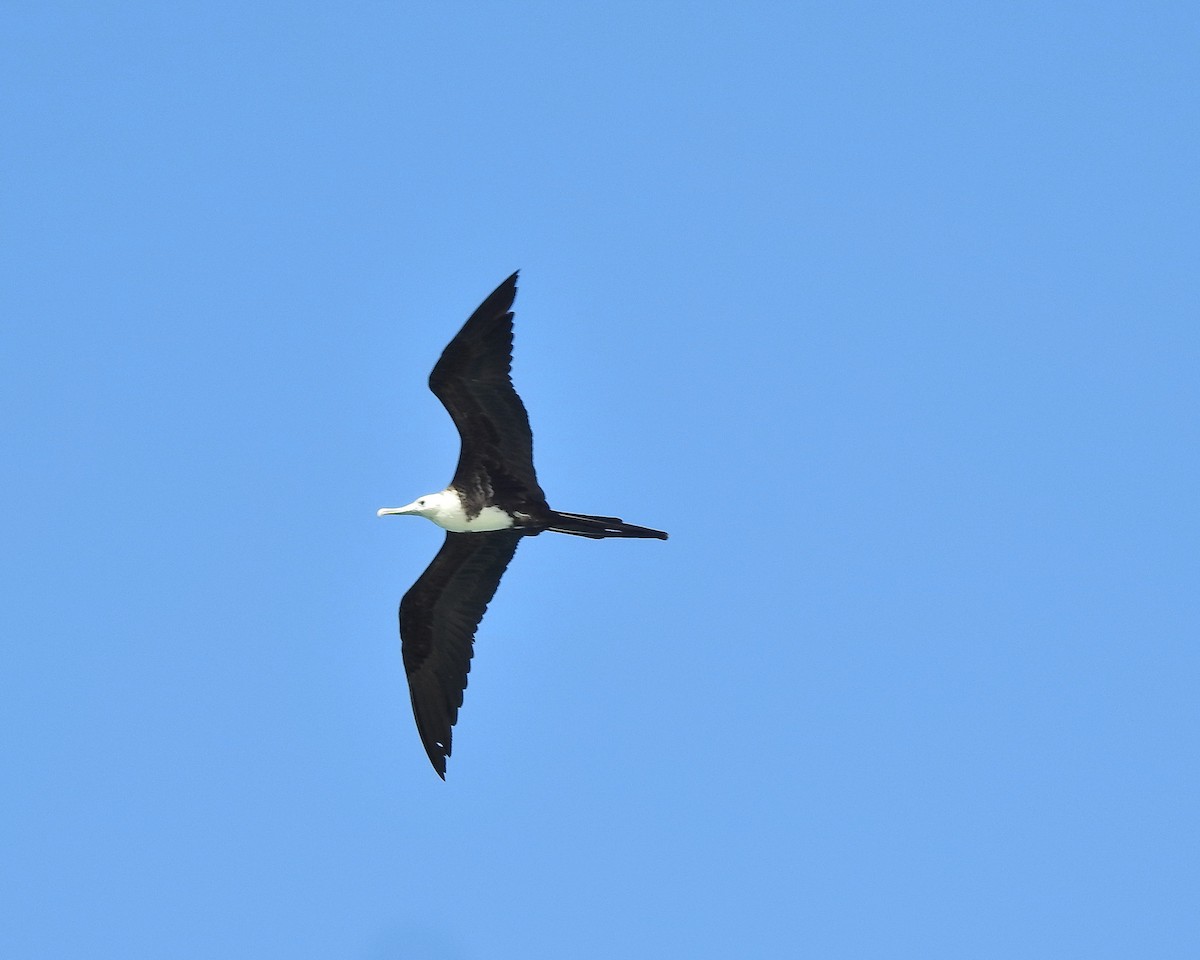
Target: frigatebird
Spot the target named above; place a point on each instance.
(492, 503)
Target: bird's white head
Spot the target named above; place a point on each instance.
(429, 506)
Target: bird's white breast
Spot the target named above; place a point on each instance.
(451, 516)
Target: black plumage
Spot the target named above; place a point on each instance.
(473, 380)
(441, 612)
(438, 619)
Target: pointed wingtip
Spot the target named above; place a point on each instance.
(438, 760)
(437, 756)
(499, 301)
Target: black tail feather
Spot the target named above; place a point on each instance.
(597, 528)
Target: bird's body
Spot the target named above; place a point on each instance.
(493, 502)
(448, 511)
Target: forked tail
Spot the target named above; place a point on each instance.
(597, 528)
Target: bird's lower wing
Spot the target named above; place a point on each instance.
(438, 619)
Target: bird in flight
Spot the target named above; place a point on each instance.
(493, 501)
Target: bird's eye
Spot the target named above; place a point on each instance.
(420, 503)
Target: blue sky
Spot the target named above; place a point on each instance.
(887, 312)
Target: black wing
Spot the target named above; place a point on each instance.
(472, 379)
(438, 617)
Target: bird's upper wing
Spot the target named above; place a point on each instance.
(438, 618)
(472, 380)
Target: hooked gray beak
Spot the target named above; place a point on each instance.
(396, 511)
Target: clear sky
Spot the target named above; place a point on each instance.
(888, 312)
